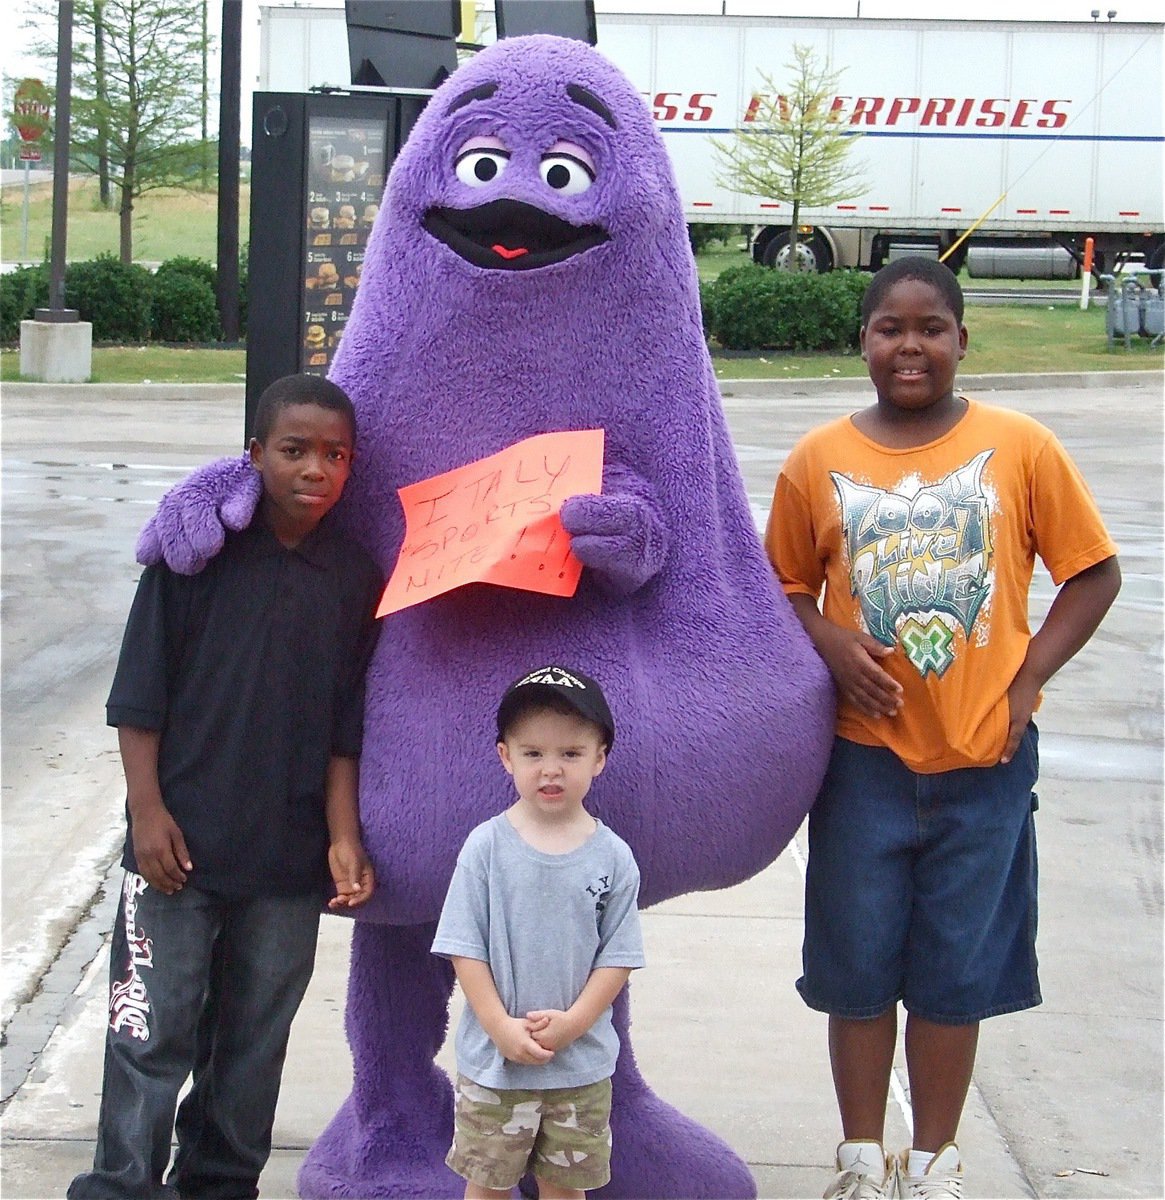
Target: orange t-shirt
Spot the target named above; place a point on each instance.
(931, 550)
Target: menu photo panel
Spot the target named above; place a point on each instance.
(347, 163)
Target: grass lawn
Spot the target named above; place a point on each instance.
(167, 223)
(150, 364)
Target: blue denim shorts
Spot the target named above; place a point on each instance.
(922, 888)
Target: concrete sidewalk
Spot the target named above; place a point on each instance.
(719, 1031)
(1067, 1099)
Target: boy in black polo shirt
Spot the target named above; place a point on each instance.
(238, 700)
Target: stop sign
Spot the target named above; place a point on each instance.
(30, 109)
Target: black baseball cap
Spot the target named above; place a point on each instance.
(581, 692)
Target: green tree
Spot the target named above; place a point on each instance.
(796, 146)
(137, 67)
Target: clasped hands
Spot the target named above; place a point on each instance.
(534, 1038)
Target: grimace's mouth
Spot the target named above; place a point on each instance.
(510, 235)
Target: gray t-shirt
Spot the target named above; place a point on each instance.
(543, 922)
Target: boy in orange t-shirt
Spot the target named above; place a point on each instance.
(921, 516)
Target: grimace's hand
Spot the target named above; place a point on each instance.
(189, 526)
(620, 535)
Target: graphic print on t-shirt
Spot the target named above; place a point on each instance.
(600, 889)
(919, 559)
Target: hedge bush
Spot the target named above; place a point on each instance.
(700, 237)
(117, 297)
(747, 308)
(183, 264)
(22, 292)
(198, 327)
(184, 307)
(177, 303)
(758, 308)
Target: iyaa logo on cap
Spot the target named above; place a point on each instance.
(552, 677)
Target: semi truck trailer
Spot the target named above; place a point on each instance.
(1000, 145)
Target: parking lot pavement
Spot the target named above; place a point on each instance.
(1067, 1099)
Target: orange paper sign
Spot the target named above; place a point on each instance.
(496, 521)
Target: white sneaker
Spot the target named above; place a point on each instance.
(942, 1178)
(864, 1172)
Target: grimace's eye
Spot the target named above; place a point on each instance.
(477, 167)
(566, 174)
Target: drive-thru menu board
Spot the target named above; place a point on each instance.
(346, 168)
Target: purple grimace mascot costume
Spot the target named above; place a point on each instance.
(530, 271)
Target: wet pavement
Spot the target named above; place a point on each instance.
(1067, 1099)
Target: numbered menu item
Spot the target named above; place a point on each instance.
(347, 161)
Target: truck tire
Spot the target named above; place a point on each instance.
(812, 253)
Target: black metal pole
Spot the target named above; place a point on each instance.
(56, 310)
(230, 88)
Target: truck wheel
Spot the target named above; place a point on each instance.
(812, 254)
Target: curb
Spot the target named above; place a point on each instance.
(972, 383)
(728, 387)
(26, 390)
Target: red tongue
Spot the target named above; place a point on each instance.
(506, 253)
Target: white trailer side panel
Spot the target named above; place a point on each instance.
(1062, 119)
(301, 48)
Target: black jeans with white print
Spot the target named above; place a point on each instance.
(202, 985)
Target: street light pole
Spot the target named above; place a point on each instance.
(56, 346)
(56, 310)
(230, 89)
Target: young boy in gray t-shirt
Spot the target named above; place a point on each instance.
(541, 925)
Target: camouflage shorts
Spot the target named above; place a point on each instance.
(562, 1135)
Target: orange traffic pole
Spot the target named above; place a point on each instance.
(1086, 272)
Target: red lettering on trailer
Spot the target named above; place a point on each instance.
(866, 109)
(937, 110)
(879, 208)
(701, 203)
(1027, 212)
(950, 210)
(814, 107)
(1049, 109)
(697, 109)
(754, 106)
(900, 105)
(965, 110)
(941, 112)
(1123, 213)
(769, 204)
(664, 109)
(1060, 212)
(992, 117)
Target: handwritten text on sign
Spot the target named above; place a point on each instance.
(496, 521)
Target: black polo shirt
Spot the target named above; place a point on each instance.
(253, 671)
